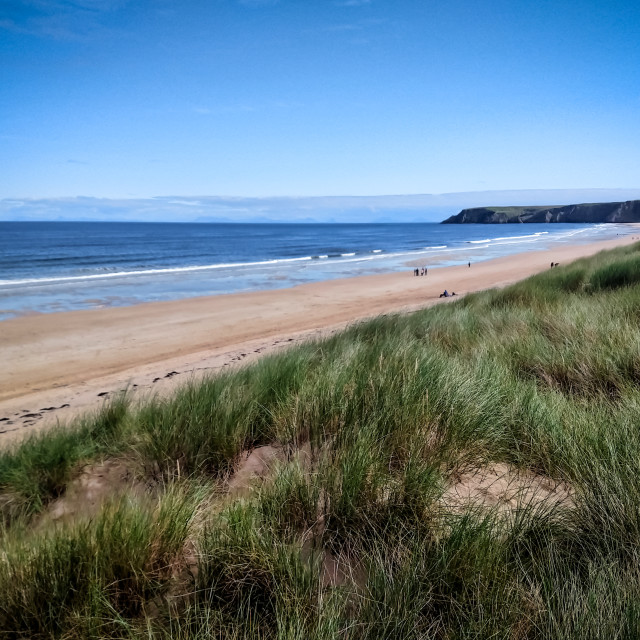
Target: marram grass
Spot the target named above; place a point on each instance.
(349, 536)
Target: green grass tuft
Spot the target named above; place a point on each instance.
(348, 534)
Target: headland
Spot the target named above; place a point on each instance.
(600, 212)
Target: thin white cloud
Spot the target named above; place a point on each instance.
(67, 6)
(352, 3)
(345, 27)
(98, 5)
(257, 3)
(245, 108)
(59, 19)
(10, 25)
(366, 24)
(283, 104)
(187, 203)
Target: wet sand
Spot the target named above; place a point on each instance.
(57, 365)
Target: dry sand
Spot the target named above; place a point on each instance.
(56, 365)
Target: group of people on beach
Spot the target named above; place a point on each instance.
(422, 271)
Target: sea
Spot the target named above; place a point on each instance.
(47, 267)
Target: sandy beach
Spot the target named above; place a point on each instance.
(58, 365)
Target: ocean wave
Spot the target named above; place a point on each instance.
(531, 235)
(573, 232)
(150, 272)
(359, 259)
(514, 239)
(500, 244)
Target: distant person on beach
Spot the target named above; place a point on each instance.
(552, 265)
(425, 271)
(469, 265)
(446, 294)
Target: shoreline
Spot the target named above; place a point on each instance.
(105, 285)
(61, 364)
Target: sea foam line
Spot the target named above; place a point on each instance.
(531, 235)
(144, 272)
(340, 258)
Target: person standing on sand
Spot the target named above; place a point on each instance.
(469, 265)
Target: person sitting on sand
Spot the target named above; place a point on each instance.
(446, 294)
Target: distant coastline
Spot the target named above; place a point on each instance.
(603, 212)
(289, 209)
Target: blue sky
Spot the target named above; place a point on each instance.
(260, 98)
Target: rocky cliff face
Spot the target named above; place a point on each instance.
(599, 212)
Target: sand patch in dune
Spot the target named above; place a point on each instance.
(505, 488)
(96, 484)
(254, 465)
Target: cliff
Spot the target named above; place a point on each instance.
(599, 212)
